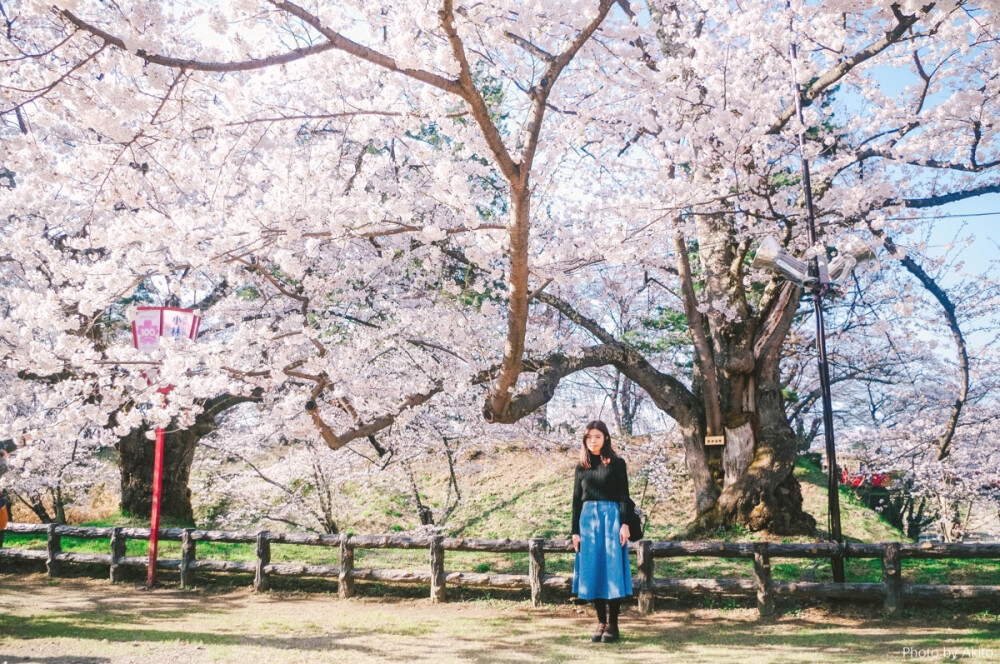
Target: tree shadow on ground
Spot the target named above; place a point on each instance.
(296, 627)
(672, 637)
(26, 628)
(67, 659)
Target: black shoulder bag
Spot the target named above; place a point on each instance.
(634, 519)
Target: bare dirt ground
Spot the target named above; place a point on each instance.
(89, 621)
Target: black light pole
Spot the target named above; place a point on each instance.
(819, 284)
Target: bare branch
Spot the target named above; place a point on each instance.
(572, 314)
(539, 53)
(198, 65)
(313, 116)
(335, 441)
(706, 359)
(943, 199)
(555, 367)
(341, 43)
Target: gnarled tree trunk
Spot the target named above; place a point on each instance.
(135, 463)
(750, 481)
(759, 490)
(738, 350)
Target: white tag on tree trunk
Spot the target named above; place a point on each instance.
(715, 440)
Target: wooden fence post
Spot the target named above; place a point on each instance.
(188, 552)
(345, 585)
(117, 553)
(53, 547)
(262, 580)
(762, 577)
(644, 570)
(536, 569)
(892, 577)
(437, 569)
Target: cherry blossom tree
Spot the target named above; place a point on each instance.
(392, 203)
(898, 355)
(56, 475)
(249, 474)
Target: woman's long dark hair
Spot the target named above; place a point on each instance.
(607, 453)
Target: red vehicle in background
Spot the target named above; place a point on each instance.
(857, 479)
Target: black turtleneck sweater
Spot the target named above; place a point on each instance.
(600, 482)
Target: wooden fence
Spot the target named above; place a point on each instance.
(892, 590)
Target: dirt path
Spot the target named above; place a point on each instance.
(88, 621)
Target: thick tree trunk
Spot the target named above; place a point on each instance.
(752, 472)
(764, 494)
(135, 461)
(699, 463)
(517, 316)
(751, 481)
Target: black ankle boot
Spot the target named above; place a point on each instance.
(611, 632)
(599, 632)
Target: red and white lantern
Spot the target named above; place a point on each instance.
(151, 323)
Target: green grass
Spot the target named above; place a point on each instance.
(537, 505)
(858, 523)
(970, 572)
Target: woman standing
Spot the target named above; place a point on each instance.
(601, 572)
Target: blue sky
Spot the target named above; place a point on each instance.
(982, 222)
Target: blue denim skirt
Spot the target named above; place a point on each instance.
(601, 570)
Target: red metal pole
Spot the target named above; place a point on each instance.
(154, 525)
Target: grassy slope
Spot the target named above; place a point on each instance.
(520, 493)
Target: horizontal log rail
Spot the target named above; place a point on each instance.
(891, 591)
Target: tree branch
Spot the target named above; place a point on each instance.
(572, 314)
(539, 53)
(944, 199)
(540, 93)
(769, 338)
(669, 394)
(341, 43)
(831, 77)
(466, 89)
(928, 282)
(336, 441)
(197, 65)
(552, 370)
(703, 351)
